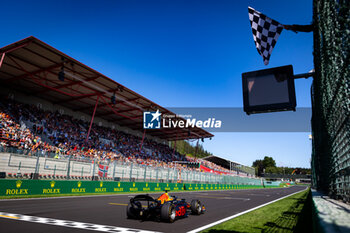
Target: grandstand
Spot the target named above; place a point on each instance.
(59, 119)
(232, 166)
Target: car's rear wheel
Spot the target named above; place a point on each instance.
(134, 209)
(130, 211)
(167, 212)
(196, 207)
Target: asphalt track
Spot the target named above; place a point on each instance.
(111, 210)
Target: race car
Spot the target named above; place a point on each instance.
(168, 210)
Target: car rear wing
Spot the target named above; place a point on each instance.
(142, 198)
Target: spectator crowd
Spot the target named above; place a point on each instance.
(31, 129)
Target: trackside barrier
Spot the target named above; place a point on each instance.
(13, 187)
(19, 165)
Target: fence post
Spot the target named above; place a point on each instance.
(37, 165)
(19, 167)
(131, 171)
(93, 168)
(144, 176)
(157, 175)
(68, 168)
(168, 175)
(115, 164)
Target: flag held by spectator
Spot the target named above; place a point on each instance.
(265, 33)
(102, 170)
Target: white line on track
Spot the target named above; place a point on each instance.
(239, 214)
(237, 198)
(71, 224)
(124, 194)
(226, 198)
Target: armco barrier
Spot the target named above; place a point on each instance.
(14, 187)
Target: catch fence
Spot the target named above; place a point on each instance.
(331, 98)
(42, 166)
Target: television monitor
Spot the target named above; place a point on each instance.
(269, 90)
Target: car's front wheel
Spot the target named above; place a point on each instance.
(196, 207)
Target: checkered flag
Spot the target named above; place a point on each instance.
(265, 33)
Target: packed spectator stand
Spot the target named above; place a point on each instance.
(32, 130)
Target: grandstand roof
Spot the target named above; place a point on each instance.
(221, 161)
(218, 160)
(32, 67)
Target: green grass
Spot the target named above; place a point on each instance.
(287, 215)
(303, 184)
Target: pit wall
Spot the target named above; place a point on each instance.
(15, 188)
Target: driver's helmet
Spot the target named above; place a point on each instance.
(164, 198)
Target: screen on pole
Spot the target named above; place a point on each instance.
(269, 90)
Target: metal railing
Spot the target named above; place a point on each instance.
(48, 167)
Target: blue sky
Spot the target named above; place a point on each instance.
(178, 54)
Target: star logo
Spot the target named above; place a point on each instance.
(151, 120)
(156, 115)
